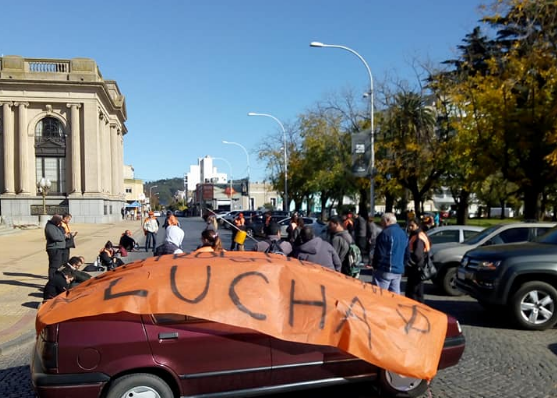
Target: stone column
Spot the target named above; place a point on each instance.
(9, 148)
(23, 153)
(76, 149)
(102, 153)
(121, 164)
(114, 158)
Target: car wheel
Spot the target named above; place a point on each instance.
(139, 385)
(448, 282)
(250, 232)
(534, 306)
(394, 385)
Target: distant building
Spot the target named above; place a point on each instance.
(133, 187)
(61, 121)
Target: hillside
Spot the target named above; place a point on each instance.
(166, 189)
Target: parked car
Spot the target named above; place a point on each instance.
(249, 216)
(257, 227)
(157, 213)
(170, 355)
(521, 278)
(452, 233)
(178, 213)
(447, 256)
(319, 227)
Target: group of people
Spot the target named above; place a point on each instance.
(63, 270)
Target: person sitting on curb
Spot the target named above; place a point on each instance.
(75, 264)
(210, 242)
(107, 257)
(272, 231)
(127, 243)
(172, 242)
(59, 283)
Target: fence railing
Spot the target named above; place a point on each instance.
(48, 66)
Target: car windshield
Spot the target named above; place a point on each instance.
(549, 238)
(481, 235)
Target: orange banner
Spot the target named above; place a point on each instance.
(279, 296)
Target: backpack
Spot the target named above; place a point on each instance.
(274, 247)
(354, 260)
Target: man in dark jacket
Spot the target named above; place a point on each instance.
(360, 231)
(341, 241)
(55, 243)
(391, 252)
(59, 283)
(316, 250)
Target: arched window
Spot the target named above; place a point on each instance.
(50, 152)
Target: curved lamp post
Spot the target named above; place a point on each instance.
(44, 186)
(286, 207)
(247, 159)
(229, 180)
(150, 198)
(372, 161)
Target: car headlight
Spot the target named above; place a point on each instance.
(489, 265)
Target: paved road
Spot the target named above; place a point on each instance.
(498, 362)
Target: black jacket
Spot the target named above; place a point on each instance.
(55, 237)
(55, 286)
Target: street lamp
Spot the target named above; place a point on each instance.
(229, 180)
(150, 199)
(44, 186)
(286, 207)
(372, 161)
(247, 157)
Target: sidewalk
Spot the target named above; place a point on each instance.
(24, 272)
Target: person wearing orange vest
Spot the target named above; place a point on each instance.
(418, 246)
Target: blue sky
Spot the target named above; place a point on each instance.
(192, 70)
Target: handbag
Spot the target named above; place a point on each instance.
(429, 270)
(70, 242)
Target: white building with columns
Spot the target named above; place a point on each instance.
(62, 121)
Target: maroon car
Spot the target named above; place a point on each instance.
(169, 355)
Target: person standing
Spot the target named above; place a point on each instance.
(150, 228)
(418, 246)
(55, 244)
(340, 240)
(210, 242)
(390, 254)
(373, 230)
(240, 224)
(316, 250)
(294, 228)
(360, 231)
(70, 236)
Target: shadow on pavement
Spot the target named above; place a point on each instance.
(472, 314)
(22, 284)
(22, 274)
(31, 304)
(553, 348)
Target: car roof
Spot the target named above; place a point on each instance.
(455, 227)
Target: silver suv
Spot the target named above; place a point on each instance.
(447, 256)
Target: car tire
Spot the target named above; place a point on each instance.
(394, 385)
(136, 384)
(534, 306)
(250, 232)
(448, 282)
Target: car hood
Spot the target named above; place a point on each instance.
(512, 250)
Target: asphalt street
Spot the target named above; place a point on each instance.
(499, 361)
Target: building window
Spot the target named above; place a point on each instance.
(50, 152)
(128, 190)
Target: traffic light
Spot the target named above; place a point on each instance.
(361, 153)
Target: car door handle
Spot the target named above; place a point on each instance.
(168, 336)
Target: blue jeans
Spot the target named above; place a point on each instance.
(387, 281)
(151, 236)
